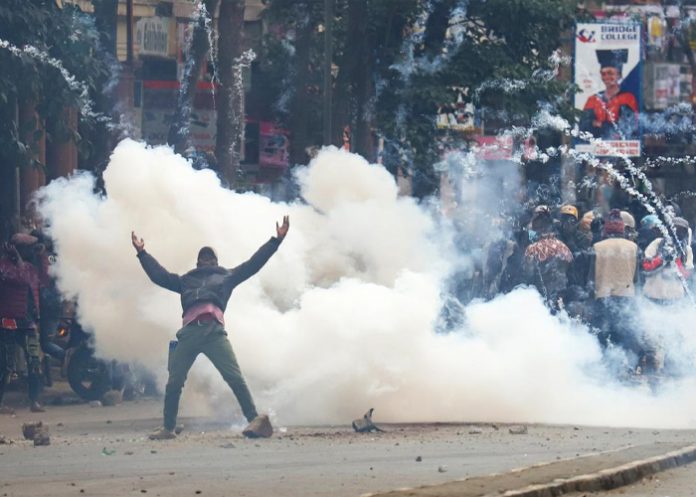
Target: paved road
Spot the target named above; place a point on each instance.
(103, 451)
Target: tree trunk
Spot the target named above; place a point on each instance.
(32, 176)
(299, 116)
(363, 84)
(343, 109)
(354, 85)
(436, 26)
(61, 149)
(106, 19)
(179, 128)
(9, 171)
(106, 15)
(230, 115)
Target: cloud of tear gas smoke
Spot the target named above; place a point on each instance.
(341, 319)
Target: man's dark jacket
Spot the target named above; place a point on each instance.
(207, 284)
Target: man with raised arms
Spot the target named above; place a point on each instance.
(205, 292)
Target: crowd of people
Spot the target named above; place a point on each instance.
(597, 268)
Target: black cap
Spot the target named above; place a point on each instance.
(541, 219)
(612, 58)
(207, 252)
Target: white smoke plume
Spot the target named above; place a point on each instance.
(342, 317)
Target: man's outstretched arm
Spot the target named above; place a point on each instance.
(258, 260)
(153, 269)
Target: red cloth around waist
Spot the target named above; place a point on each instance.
(204, 313)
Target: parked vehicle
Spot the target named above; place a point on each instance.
(91, 377)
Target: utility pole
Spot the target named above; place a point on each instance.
(328, 57)
(129, 33)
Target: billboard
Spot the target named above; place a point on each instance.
(273, 145)
(152, 36)
(663, 86)
(608, 78)
(158, 109)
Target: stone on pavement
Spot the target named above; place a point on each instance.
(260, 427)
(29, 430)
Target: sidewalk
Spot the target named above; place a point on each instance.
(678, 482)
(591, 473)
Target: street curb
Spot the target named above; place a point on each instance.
(608, 479)
(605, 479)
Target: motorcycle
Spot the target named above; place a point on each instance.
(91, 377)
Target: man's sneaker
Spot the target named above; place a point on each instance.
(260, 427)
(36, 407)
(7, 410)
(162, 434)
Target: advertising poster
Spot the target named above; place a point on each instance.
(460, 116)
(273, 145)
(608, 77)
(152, 36)
(666, 87)
(157, 113)
(494, 147)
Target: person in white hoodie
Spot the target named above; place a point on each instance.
(667, 269)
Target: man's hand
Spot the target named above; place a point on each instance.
(138, 243)
(282, 230)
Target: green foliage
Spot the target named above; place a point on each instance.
(373, 40)
(504, 60)
(65, 34)
(278, 65)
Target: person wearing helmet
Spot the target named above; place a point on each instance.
(569, 210)
(546, 261)
(568, 224)
(668, 266)
(577, 241)
(648, 231)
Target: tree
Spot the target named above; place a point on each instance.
(370, 36)
(367, 38)
(290, 70)
(198, 52)
(501, 51)
(38, 39)
(230, 116)
(98, 140)
(397, 61)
